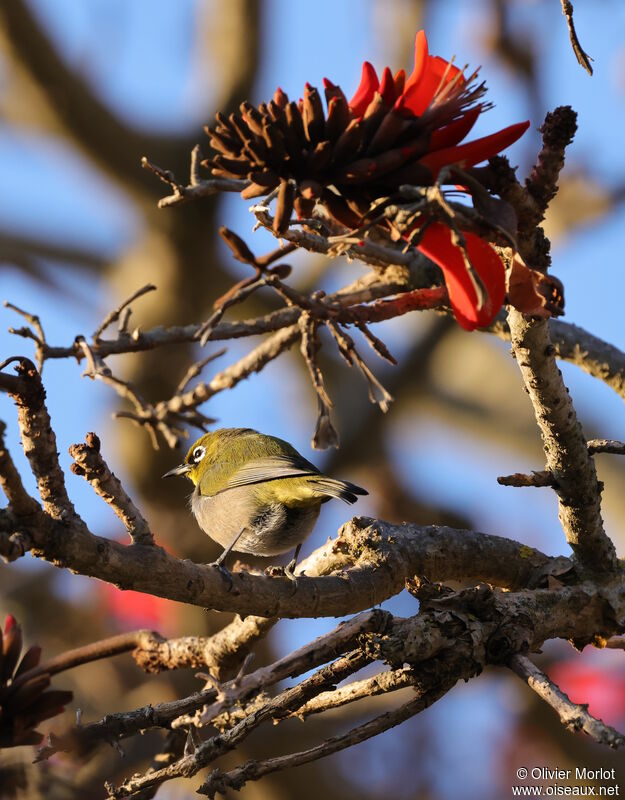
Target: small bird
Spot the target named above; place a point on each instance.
(255, 493)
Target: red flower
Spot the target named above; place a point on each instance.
(397, 130)
(438, 95)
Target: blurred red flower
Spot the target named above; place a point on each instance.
(131, 610)
(603, 689)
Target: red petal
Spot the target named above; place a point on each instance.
(430, 74)
(9, 622)
(399, 80)
(387, 87)
(472, 153)
(420, 59)
(456, 131)
(437, 245)
(364, 93)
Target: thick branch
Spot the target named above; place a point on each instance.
(566, 452)
(575, 345)
(377, 558)
(39, 441)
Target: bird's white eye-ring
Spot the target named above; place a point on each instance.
(198, 454)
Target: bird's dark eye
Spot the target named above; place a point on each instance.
(198, 454)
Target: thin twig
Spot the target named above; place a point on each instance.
(114, 315)
(606, 446)
(94, 651)
(218, 745)
(540, 479)
(90, 464)
(38, 337)
(573, 716)
(196, 368)
(219, 782)
(583, 59)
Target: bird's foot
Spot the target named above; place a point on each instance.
(223, 570)
(289, 570)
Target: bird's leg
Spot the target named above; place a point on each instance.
(219, 562)
(290, 567)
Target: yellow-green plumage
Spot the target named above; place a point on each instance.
(256, 490)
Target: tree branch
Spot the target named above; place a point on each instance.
(39, 441)
(219, 782)
(566, 452)
(573, 716)
(583, 59)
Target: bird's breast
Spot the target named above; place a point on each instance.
(268, 529)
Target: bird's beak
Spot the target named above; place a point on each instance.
(181, 469)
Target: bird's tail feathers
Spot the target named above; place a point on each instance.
(342, 490)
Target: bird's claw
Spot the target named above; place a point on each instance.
(223, 570)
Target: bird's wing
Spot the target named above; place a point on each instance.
(270, 469)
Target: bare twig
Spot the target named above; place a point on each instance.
(606, 446)
(544, 478)
(573, 716)
(557, 131)
(196, 368)
(116, 313)
(325, 434)
(219, 782)
(252, 362)
(345, 343)
(105, 648)
(195, 190)
(583, 59)
(286, 701)
(21, 503)
(384, 682)
(38, 337)
(90, 464)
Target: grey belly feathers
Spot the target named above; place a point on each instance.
(276, 530)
